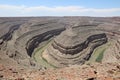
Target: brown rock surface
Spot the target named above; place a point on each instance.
(106, 71)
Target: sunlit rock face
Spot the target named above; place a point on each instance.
(74, 45)
(73, 40)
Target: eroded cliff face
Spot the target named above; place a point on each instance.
(61, 55)
(36, 40)
(99, 39)
(30, 47)
(20, 38)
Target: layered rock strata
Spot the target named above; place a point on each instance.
(20, 37)
(70, 48)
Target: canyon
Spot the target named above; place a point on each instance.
(55, 44)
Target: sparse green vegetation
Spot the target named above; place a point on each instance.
(49, 63)
(98, 53)
(100, 56)
(37, 55)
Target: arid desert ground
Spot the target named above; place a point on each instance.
(60, 48)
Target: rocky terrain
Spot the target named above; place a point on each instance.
(60, 48)
(94, 71)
